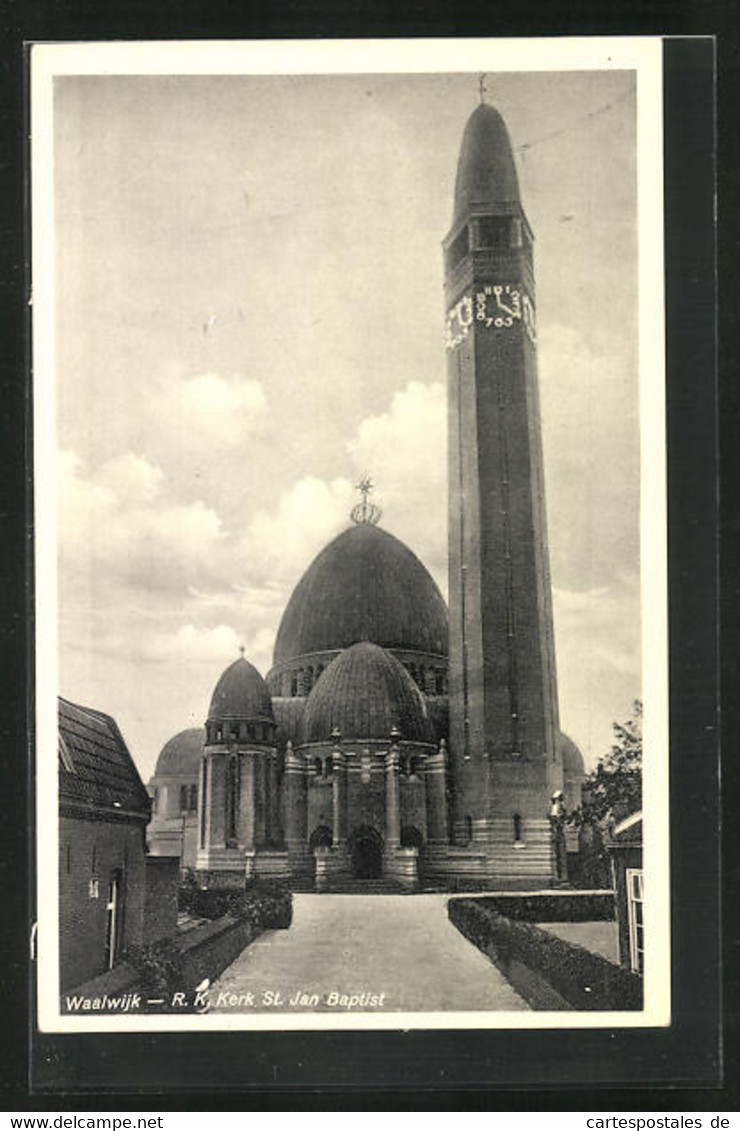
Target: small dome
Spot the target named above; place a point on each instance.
(365, 692)
(180, 756)
(241, 693)
(486, 173)
(365, 585)
(573, 765)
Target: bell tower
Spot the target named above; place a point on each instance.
(504, 731)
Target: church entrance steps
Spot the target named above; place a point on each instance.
(396, 953)
(368, 887)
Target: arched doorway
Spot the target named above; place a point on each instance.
(320, 838)
(366, 849)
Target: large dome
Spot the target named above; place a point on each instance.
(365, 585)
(181, 755)
(365, 692)
(241, 693)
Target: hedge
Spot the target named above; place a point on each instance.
(568, 907)
(237, 918)
(267, 904)
(581, 980)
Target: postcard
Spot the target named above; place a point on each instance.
(348, 393)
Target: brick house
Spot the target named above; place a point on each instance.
(103, 813)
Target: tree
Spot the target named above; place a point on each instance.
(614, 788)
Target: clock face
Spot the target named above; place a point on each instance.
(497, 306)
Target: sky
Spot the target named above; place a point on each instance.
(249, 317)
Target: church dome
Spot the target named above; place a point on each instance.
(573, 765)
(241, 693)
(365, 692)
(181, 755)
(365, 585)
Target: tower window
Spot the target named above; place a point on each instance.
(183, 799)
(193, 804)
(294, 684)
(518, 828)
(155, 799)
(496, 232)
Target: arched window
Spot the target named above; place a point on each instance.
(204, 802)
(232, 800)
(518, 828)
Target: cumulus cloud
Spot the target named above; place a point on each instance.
(222, 409)
(114, 523)
(280, 544)
(405, 450)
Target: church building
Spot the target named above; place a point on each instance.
(395, 742)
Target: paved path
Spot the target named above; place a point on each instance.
(399, 950)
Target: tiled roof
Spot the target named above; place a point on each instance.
(365, 692)
(365, 585)
(95, 767)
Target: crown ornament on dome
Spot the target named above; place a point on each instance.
(366, 513)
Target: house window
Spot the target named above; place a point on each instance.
(633, 877)
(114, 919)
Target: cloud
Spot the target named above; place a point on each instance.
(114, 524)
(220, 409)
(279, 545)
(405, 452)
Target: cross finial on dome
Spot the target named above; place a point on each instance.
(482, 88)
(242, 650)
(366, 512)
